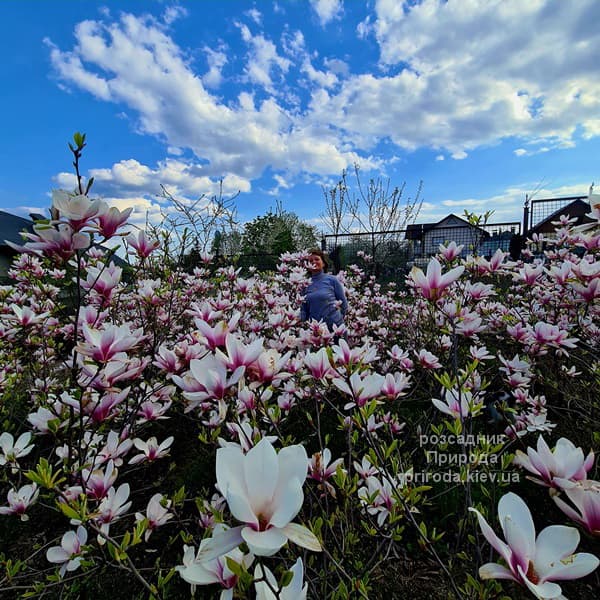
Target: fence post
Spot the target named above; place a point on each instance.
(526, 217)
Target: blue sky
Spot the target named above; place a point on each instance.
(482, 100)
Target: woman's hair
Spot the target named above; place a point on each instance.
(318, 252)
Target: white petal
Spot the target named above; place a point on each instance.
(553, 543)
(220, 543)
(520, 534)
(302, 536)
(240, 507)
(573, 567)
(264, 543)
(197, 574)
(546, 590)
(495, 571)
(261, 472)
(287, 504)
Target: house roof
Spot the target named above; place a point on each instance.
(11, 226)
(577, 208)
(416, 230)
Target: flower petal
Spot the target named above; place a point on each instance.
(222, 542)
(302, 536)
(261, 473)
(553, 544)
(287, 503)
(495, 571)
(264, 543)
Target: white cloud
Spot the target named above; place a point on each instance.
(134, 63)
(327, 10)
(263, 59)
(455, 76)
(440, 157)
(174, 13)
(216, 59)
(255, 15)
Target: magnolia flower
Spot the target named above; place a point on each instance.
(361, 388)
(142, 245)
(432, 285)
(585, 497)
(110, 220)
(102, 345)
(533, 562)
(293, 591)
(320, 468)
(112, 507)
(199, 571)
(20, 500)
(378, 497)
(77, 209)
(151, 450)
(69, 553)
(263, 490)
(156, 514)
(559, 468)
(459, 404)
(451, 251)
(12, 450)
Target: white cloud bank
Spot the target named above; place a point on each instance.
(453, 76)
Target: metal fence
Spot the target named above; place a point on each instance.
(541, 209)
(394, 253)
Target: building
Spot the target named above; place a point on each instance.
(427, 237)
(11, 227)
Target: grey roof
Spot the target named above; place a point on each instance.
(11, 226)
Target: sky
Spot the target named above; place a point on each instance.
(483, 101)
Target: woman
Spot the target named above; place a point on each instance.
(324, 296)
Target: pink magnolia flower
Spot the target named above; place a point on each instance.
(59, 242)
(264, 491)
(111, 508)
(559, 468)
(318, 364)
(151, 450)
(238, 353)
(432, 285)
(98, 482)
(585, 498)
(143, 246)
(459, 405)
(535, 563)
(20, 500)
(78, 209)
(216, 336)
(395, 385)
(293, 591)
(104, 344)
(320, 468)
(362, 387)
(25, 316)
(110, 220)
(378, 497)
(198, 570)
(428, 360)
(451, 251)
(70, 552)
(157, 514)
(11, 450)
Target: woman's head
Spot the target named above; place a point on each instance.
(317, 260)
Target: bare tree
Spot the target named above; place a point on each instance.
(375, 211)
(194, 225)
